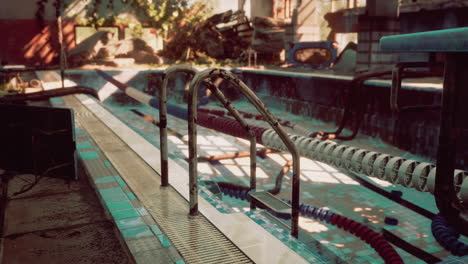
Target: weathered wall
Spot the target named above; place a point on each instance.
(25, 42)
(324, 98)
(261, 8)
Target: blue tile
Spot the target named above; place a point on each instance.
(130, 223)
(105, 179)
(113, 195)
(56, 100)
(137, 232)
(119, 206)
(142, 211)
(87, 155)
(164, 241)
(83, 145)
(156, 230)
(131, 196)
(126, 213)
(120, 181)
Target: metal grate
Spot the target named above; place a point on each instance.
(196, 239)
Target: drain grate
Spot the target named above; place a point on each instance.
(196, 239)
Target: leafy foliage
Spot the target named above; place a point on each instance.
(163, 15)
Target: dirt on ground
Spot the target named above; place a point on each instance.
(57, 221)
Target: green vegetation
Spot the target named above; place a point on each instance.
(162, 15)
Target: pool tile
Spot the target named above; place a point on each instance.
(113, 195)
(142, 211)
(105, 179)
(156, 230)
(164, 241)
(83, 145)
(119, 205)
(120, 181)
(126, 213)
(131, 196)
(130, 222)
(136, 232)
(87, 155)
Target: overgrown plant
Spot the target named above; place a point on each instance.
(159, 14)
(179, 37)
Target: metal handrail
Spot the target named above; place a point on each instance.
(253, 142)
(163, 117)
(245, 90)
(193, 161)
(398, 73)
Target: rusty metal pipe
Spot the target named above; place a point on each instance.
(279, 178)
(37, 96)
(163, 117)
(235, 155)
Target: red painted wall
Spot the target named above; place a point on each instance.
(24, 42)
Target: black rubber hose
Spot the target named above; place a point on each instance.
(448, 237)
(241, 192)
(357, 99)
(37, 96)
(375, 240)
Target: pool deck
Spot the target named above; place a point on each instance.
(56, 221)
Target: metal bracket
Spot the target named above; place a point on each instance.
(398, 74)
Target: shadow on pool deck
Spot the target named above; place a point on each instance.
(57, 222)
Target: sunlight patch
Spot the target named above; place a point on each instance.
(320, 176)
(108, 89)
(311, 226)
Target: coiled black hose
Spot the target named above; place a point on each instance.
(374, 239)
(448, 237)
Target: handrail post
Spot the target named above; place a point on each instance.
(193, 162)
(253, 142)
(245, 90)
(163, 117)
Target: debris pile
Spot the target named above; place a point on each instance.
(99, 48)
(222, 36)
(269, 34)
(227, 35)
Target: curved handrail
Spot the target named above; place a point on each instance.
(193, 161)
(245, 90)
(253, 142)
(163, 117)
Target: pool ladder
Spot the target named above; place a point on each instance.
(208, 77)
